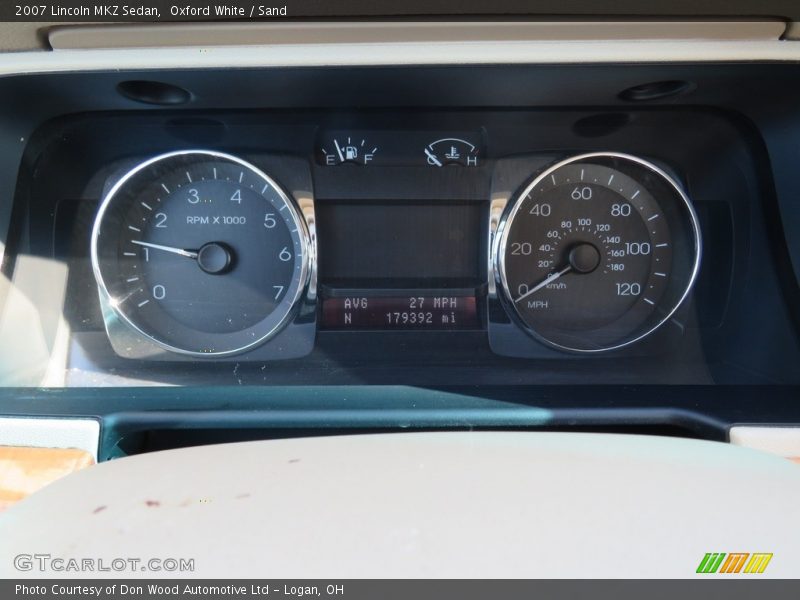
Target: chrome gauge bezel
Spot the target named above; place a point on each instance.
(307, 260)
(500, 241)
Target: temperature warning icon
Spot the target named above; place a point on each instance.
(451, 151)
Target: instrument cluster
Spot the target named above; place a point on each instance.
(206, 254)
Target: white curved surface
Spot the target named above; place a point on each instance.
(423, 505)
(401, 54)
(783, 441)
(253, 33)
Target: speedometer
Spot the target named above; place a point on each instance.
(200, 252)
(597, 252)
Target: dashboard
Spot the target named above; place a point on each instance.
(499, 238)
(235, 251)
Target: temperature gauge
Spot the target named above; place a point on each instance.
(451, 151)
(339, 148)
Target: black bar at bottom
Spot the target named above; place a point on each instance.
(388, 589)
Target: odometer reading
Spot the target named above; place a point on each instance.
(597, 252)
(400, 312)
(200, 252)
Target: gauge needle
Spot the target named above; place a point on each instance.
(181, 251)
(432, 158)
(549, 279)
(338, 150)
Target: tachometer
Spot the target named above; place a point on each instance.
(597, 252)
(200, 252)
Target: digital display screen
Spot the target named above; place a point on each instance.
(400, 312)
(399, 244)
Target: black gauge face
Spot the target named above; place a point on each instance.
(200, 252)
(598, 252)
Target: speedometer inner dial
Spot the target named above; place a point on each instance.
(200, 252)
(597, 252)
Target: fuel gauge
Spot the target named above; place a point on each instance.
(451, 151)
(337, 148)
